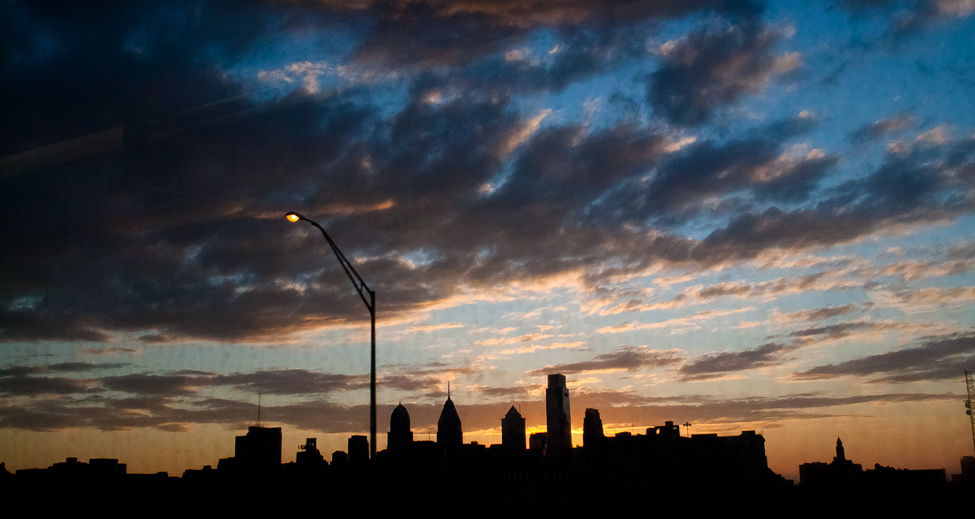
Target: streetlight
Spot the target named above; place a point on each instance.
(370, 302)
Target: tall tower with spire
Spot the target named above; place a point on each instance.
(450, 434)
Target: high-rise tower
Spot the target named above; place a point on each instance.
(558, 440)
(400, 436)
(260, 450)
(450, 434)
(513, 432)
(592, 429)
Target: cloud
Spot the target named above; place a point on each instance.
(675, 322)
(685, 185)
(718, 364)
(435, 34)
(292, 382)
(18, 385)
(908, 190)
(433, 327)
(908, 16)
(712, 68)
(626, 358)
(179, 234)
(936, 358)
(61, 367)
(535, 347)
(817, 314)
(883, 127)
(152, 385)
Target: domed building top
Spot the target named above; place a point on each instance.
(400, 419)
(400, 436)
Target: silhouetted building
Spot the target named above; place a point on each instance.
(259, 450)
(558, 418)
(513, 432)
(340, 458)
(450, 434)
(536, 442)
(592, 429)
(400, 436)
(308, 454)
(839, 473)
(967, 476)
(358, 449)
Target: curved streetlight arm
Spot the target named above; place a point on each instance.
(362, 289)
(354, 277)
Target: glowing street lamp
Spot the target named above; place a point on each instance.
(370, 302)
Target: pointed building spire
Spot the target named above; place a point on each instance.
(449, 430)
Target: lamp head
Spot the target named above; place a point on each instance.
(293, 217)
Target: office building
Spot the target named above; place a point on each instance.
(558, 418)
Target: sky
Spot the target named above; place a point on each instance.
(740, 215)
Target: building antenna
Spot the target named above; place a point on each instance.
(970, 403)
(259, 408)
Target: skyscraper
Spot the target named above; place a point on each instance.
(259, 450)
(559, 437)
(358, 449)
(400, 436)
(513, 432)
(592, 429)
(449, 432)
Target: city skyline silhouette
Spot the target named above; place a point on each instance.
(625, 469)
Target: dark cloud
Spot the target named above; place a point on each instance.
(85, 70)
(291, 382)
(19, 385)
(710, 179)
(108, 351)
(712, 68)
(61, 367)
(518, 394)
(818, 314)
(152, 385)
(626, 358)
(35, 380)
(872, 131)
(719, 364)
(936, 358)
(195, 267)
(705, 170)
(173, 401)
(837, 331)
(431, 34)
(912, 187)
(908, 16)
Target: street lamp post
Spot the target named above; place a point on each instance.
(370, 302)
